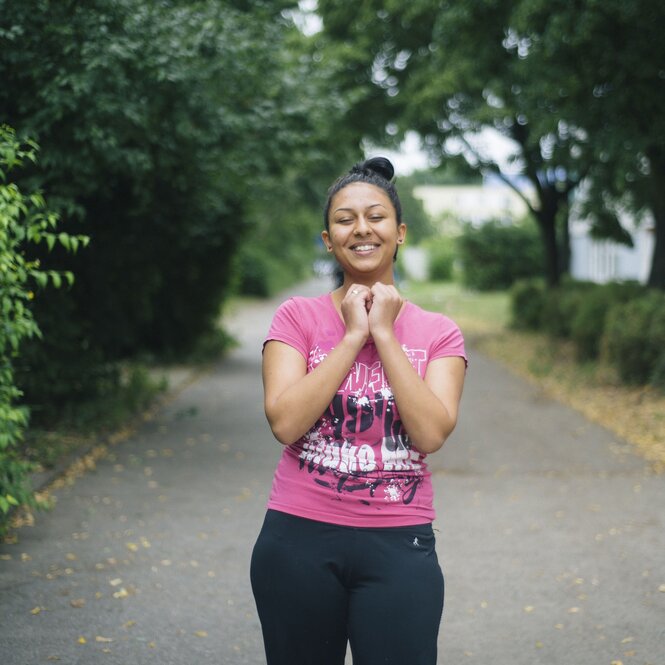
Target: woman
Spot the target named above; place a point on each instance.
(360, 386)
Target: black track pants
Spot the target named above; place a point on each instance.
(319, 585)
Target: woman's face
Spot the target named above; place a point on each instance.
(363, 232)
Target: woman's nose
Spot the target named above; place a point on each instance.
(362, 226)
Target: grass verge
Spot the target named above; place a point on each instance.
(636, 414)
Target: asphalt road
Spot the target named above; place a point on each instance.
(550, 534)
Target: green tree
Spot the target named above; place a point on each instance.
(603, 61)
(451, 70)
(160, 124)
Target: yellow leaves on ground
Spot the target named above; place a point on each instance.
(201, 633)
(633, 413)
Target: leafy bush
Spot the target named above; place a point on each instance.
(634, 338)
(495, 256)
(24, 222)
(527, 301)
(441, 259)
(588, 319)
(161, 127)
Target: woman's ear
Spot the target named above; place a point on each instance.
(401, 233)
(326, 240)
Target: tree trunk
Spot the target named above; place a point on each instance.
(563, 215)
(547, 218)
(657, 205)
(657, 273)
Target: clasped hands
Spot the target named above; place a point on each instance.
(371, 311)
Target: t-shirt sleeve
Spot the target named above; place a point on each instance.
(449, 341)
(288, 326)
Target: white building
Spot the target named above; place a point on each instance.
(470, 203)
(605, 261)
(448, 206)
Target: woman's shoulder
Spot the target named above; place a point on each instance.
(305, 304)
(424, 317)
(305, 312)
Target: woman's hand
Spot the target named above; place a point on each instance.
(355, 306)
(386, 304)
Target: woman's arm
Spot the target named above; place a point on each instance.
(428, 409)
(294, 399)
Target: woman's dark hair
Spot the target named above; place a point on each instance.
(377, 171)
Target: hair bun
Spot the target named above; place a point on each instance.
(376, 165)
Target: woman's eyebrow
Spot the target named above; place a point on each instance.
(374, 205)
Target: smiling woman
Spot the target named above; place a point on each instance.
(360, 386)
(363, 233)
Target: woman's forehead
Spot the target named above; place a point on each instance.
(360, 195)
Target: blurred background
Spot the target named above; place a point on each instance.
(163, 161)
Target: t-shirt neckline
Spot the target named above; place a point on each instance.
(339, 318)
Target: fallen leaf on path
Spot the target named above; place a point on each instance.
(35, 610)
(82, 640)
(201, 633)
(77, 602)
(115, 582)
(99, 638)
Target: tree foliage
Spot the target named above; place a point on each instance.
(605, 60)
(161, 125)
(24, 223)
(453, 69)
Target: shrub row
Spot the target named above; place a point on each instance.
(622, 322)
(495, 255)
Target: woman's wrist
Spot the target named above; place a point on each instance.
(382, 335)
(355, 339)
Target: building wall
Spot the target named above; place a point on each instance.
(470, 203)
(604, 261)
(594, 260)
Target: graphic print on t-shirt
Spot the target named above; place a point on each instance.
(384, 464)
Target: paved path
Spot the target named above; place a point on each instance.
(550, 534)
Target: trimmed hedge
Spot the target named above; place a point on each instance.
(635, 339)
(441, 259)
(624, 321)
(495, 256)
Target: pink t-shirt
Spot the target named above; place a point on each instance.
(356, 465)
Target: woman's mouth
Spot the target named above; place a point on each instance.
(364, 248)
